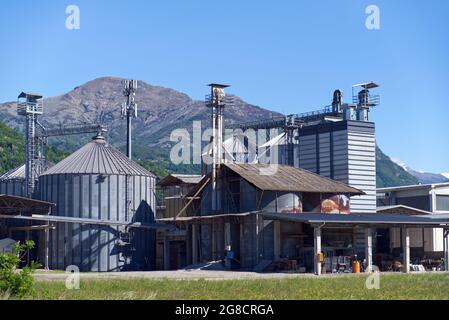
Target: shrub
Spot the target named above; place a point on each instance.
(15, 283)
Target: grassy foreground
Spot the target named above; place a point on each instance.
(422, 286)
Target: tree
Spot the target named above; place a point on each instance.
(15, 282)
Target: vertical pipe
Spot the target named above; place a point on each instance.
(369, 250)
(406, 249)
(317, 249)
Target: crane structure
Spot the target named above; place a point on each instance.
(30, 105)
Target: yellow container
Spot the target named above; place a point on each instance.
(355, 266)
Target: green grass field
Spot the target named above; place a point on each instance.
(422, 286)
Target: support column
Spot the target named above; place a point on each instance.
(406, 249)
(277, 239)
(369, 250)
(166, 254)
(317, 249)
(194, 244)
(213, 242)
(47, 242)
(446, 249)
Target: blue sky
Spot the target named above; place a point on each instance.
(287, 56)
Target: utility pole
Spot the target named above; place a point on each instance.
(129, 110)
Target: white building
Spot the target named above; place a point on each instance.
(429, 199)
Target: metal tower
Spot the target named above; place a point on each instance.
(129, 109)
(216, 100)
(30, 105)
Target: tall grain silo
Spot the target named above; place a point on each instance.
(99, 182)
(13, 182)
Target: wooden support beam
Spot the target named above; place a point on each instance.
(277, 239)
(194, 243)
(166, 254)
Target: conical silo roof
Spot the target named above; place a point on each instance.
(98, 157)
(14, 174)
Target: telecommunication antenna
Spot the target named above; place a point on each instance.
(30, 105)
(129, 110)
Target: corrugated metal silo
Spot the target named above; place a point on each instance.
(13, 182)
(99, 182)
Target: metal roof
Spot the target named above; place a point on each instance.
(414, 186)
(13, 204)
(30, 94)
(175, 179)
(98, 157)
(359, 219)
(290, 179)
(14, 174)
(402, 209)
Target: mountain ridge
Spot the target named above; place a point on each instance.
(160, 110)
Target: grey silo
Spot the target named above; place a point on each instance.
(13, 182)
(99, 182)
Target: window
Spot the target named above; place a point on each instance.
(442, 202)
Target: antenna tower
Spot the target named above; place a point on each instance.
(129, 110)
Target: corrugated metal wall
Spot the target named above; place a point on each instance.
(14, 187)
(96, 248)
(344, 151)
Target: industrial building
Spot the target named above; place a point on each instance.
(312, 210)
(427, 199)
(290, 218)
(102, 203)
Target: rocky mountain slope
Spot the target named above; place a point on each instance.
(160, 111)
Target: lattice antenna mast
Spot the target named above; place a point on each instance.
(217, 101)
(30, 105)
(129, 110)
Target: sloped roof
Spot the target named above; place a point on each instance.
(173, 179)
(290, 179)
(14, 174)
(98, 157)
(402, 209)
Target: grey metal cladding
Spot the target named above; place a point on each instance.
(92, 183)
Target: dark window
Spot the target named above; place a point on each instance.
(442, 202)
(418, 202)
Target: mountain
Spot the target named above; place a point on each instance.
(423, 177)
(160, 111)
(390, 173)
